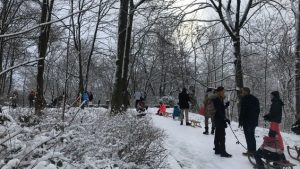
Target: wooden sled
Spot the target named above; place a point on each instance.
(272, 164)
(195, 123)
(293, 155)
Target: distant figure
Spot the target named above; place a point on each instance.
(141, 106)
(31, 98)
(176, 111)
(85, 98)
(137, 96)
(162, 109)
(184, 100)
(91, 97)
(14, 99)
(57, 101)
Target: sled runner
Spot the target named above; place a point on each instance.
(195, 123)
(272, 164)
(294, 152)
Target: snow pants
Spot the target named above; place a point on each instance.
(220, 140)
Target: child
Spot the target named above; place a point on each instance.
(271, 149)
(176, 111)
(162, 109)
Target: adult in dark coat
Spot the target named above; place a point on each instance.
(248, 118)
(220, 122)
(275, 113)
(184, 105)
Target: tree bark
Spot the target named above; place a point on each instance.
(297, 66)
(42, 47)
(117, 99)
(238, 64)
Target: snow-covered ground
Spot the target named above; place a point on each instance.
(189, 148)
(85, 142)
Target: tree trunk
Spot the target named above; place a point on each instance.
(297, 66)
(127, 55)
(117, 100)
(42, 47)
(238, 64)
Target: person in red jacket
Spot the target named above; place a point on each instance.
(272, 149)
(162, 109)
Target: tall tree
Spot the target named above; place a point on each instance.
(117, 95)
(47, 7)
(297, 65)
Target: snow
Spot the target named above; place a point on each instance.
(93, 140)
(189, 148)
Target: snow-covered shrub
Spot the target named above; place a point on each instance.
(91, 139)
(123, 141)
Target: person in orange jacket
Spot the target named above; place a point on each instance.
(162, 109)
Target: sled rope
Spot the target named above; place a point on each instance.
(238, 141)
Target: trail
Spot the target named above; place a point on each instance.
(189, 148)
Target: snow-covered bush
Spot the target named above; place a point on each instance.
(91, 139)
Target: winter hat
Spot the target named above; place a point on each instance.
(275, 94)
(209, 90)
(220, 88)
(184, 89)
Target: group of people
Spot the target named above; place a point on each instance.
(215, 109)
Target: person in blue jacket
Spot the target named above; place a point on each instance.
(85, 97)
(176, 111)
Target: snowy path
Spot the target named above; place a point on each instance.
(188, 148)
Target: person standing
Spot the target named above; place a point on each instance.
(275, 114)
(184, 100)
(220, 120)
(31, 98)
(248, 119)
(14, 98)
(137, 97)
(209, 110)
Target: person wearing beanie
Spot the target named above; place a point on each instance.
(220, 122)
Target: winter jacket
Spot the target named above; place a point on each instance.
(249, 112)
(275, 113)
(176, 111)
(184, 100)
(162, 108)
(296, 127)
(220, 117)
(209, 105)
(272, 145)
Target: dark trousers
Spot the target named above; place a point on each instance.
(220, 140)
(249, 132)
(265, 154)
(212, 121)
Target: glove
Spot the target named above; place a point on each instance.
(227, 121)
(227, 104)
(240, 125)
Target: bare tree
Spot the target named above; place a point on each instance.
(47, 7)
(297, 65)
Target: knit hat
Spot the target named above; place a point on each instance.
(275, 94)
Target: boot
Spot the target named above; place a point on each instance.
(212, 130)
(206, 131)
(225, 154)
(217, 151)
(188, 123)
(181, 122)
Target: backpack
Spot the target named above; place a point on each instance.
(210, 108)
